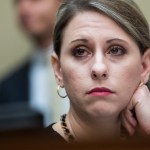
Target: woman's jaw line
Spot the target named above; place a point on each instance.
(86, 126)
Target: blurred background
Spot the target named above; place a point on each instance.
(28, 96)
(16, 47)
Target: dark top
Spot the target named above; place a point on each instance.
(53, 135)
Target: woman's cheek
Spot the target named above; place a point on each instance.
(129, 80)
(74, 79)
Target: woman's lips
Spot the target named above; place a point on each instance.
(100, 92)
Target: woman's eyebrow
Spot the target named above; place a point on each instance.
(80, 40)
(116, 40)
(83, 40)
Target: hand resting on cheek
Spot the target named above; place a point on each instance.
(136, 116)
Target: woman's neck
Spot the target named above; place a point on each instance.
(92, 130)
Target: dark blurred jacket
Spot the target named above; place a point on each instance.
(15, 87)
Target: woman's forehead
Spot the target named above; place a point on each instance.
(91, 24)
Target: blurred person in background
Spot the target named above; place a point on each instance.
(33, 82)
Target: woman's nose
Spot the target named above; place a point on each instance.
(99, 70)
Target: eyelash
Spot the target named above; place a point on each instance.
(123, 51)
(83, 49)
(80, 49)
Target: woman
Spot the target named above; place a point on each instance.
(102, 59)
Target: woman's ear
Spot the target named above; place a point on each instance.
(146, 66)
(57, 69)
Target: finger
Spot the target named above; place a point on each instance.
(130, 118)
(132, 104)
(130, 129)
(141, 84)
(134, 101)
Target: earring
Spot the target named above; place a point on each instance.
(141, 83)
(58, 89)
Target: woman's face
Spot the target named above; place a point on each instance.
(98, 55)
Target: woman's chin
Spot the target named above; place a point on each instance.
(106, 112)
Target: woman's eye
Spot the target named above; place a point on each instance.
(80, 52)
(116, 51)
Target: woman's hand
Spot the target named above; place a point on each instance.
(139, 106)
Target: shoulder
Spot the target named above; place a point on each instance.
(18, 72)
(18, 79)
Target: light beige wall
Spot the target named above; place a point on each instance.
(14, 47)
(144, 5)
